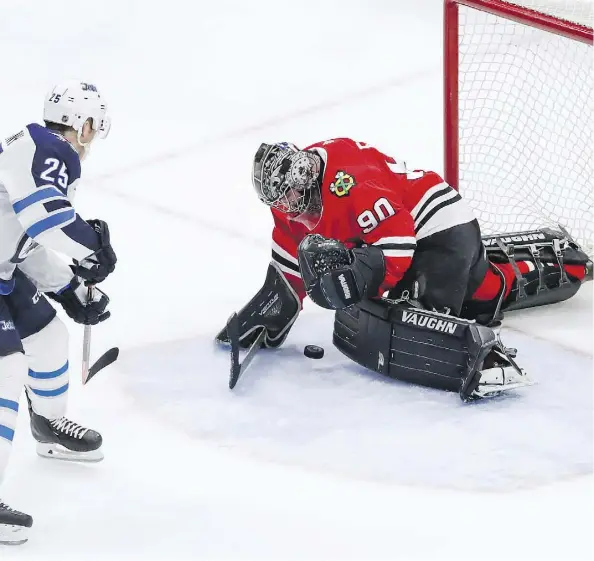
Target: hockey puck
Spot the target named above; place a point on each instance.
(313, 351)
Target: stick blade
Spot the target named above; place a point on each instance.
(104, 360)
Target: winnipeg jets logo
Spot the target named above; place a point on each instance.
(422, 320)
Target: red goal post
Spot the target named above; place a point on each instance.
(520, 73)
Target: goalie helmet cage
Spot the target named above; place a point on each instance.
(518, 112)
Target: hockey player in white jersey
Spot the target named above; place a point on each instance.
(39, 169)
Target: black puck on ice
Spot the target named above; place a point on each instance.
(313, 351)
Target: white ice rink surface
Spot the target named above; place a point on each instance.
(305, 460)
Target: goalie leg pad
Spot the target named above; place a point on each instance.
(425, 347)
(275, 307)
(551, 253)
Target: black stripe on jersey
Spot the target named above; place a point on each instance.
(447, 189)
(283, 261)
(50, 206)
(402, 246)
(435, 209)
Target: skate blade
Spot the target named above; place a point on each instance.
(492, 390)
(11, 534)
(58, 452)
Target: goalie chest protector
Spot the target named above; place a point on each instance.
(407, 343)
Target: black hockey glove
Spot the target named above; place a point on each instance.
(336, 277)
(73, 299)
(99, 265)
(275, 307)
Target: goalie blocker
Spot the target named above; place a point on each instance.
(428, 348)
(274, 308)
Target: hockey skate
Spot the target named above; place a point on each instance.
(499, 374)
(14, 525)
(63, 439)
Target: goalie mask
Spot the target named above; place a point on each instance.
(288, 179)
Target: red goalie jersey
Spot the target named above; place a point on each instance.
(369, 196)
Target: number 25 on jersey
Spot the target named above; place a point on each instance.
(61, 178)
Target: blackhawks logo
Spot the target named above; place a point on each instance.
(343, 184)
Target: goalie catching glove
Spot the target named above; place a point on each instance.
(336, 277)
(275, 308)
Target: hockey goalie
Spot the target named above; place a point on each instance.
(419, 294)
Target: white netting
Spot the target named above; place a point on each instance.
(571, 10)
(525, 121)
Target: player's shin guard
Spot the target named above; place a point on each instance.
(13, 369)
(48, 379)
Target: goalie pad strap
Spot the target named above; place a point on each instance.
(549, 251)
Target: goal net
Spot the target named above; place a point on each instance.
(518, 112)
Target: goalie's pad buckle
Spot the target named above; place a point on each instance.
(559, 255)
(535, 252)
(509, 252)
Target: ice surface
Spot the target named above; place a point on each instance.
(306, 460)
(336, 417)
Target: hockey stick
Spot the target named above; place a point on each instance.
(238, 368)
(86, 355)
(104, 360)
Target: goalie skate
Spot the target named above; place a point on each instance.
(500, 379)
(503, 375)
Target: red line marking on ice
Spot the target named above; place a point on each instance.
(140, 202)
